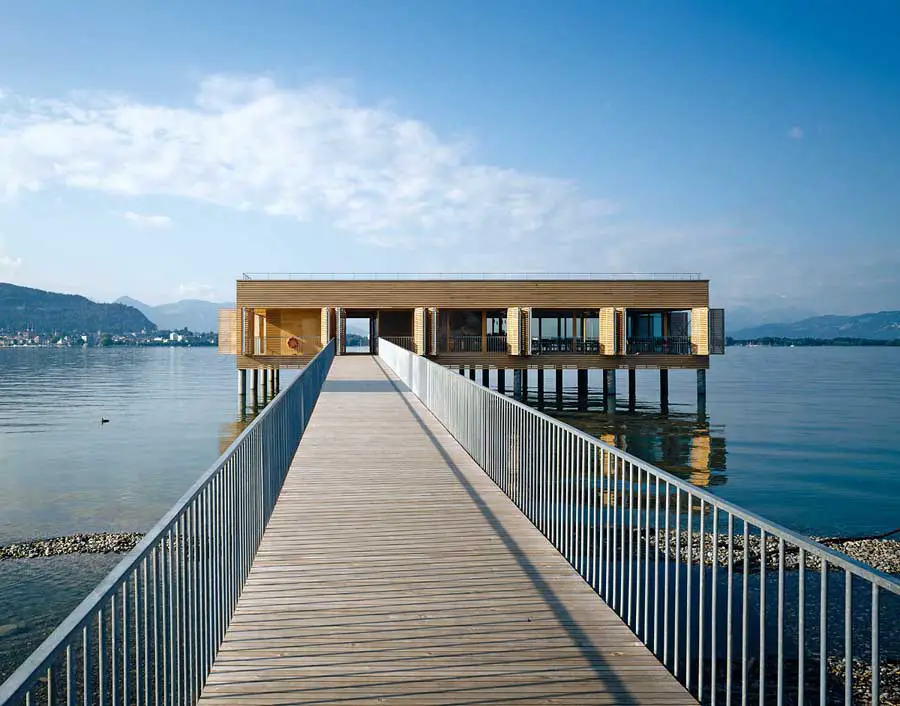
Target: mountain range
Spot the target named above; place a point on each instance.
(195, 315)
(27, 309)
(881, 326)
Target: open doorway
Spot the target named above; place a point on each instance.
(360, 333)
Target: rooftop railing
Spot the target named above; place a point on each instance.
(471, 276)
(738, 608)
(148, 634)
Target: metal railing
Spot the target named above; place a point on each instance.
(738, 608)
(589, 346)
(678, 276)
(149, 632)
(667, 345)
(406, 342)
(287, 345)
(472, 344)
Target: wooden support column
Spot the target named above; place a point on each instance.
(632, 389)
(540, 388)
(664, 390)
(582, 389)
(559, 388)
(609, 386)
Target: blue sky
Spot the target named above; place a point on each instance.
(159, 149)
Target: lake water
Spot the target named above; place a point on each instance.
(807, 437)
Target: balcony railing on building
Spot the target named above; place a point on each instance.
(666, 345)
(585, 346)
(491, 343)
(406, 342)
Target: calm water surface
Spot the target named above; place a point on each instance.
(806, 436)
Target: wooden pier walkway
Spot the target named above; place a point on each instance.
(394, 570)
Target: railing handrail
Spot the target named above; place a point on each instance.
(675, 276)
(835, 558)
(44, 655)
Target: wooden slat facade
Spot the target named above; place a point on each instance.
(475, 294)
(573, 361)
(229, 331)
(393, 570)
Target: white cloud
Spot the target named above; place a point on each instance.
(145, 220)
(796, 133)
(9, 261)
(313, 154)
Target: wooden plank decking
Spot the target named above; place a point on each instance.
(394, 570)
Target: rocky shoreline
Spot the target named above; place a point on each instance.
(881, 554)
(97, 543)
(888, 680)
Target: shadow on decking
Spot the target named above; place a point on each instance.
(355, 386)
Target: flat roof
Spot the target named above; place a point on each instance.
(471, 276)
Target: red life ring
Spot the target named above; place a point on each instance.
(293, 343)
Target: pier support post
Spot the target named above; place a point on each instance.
(582, 389)
(540, 388)
(559, 388)
(664, 390)
(632, 389)
(524, 384)
(242, 383)
(276, 377)
(501, 381)
(517, 383)
(486, 376)
(264, 382)
(254, 382)
(471, 373)
(462, 371)
(701, 391)
(610, 385)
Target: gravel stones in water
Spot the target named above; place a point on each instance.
(888, 682)
(99, 543)
(881, 554)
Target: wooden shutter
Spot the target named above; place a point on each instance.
(526, 330)
(700, 331)
(419, 330)
(513, 330)
(326, 326)
(229, 331)
(608, 330)
(431, 321)
(342, 331)
(621, 332)
(716, 331)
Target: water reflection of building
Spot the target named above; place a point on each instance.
(686, 445)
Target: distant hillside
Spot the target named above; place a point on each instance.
(881, 326)
(23, 308)
(194, 314)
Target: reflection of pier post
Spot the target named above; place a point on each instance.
(701, 392)
(664, 390)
